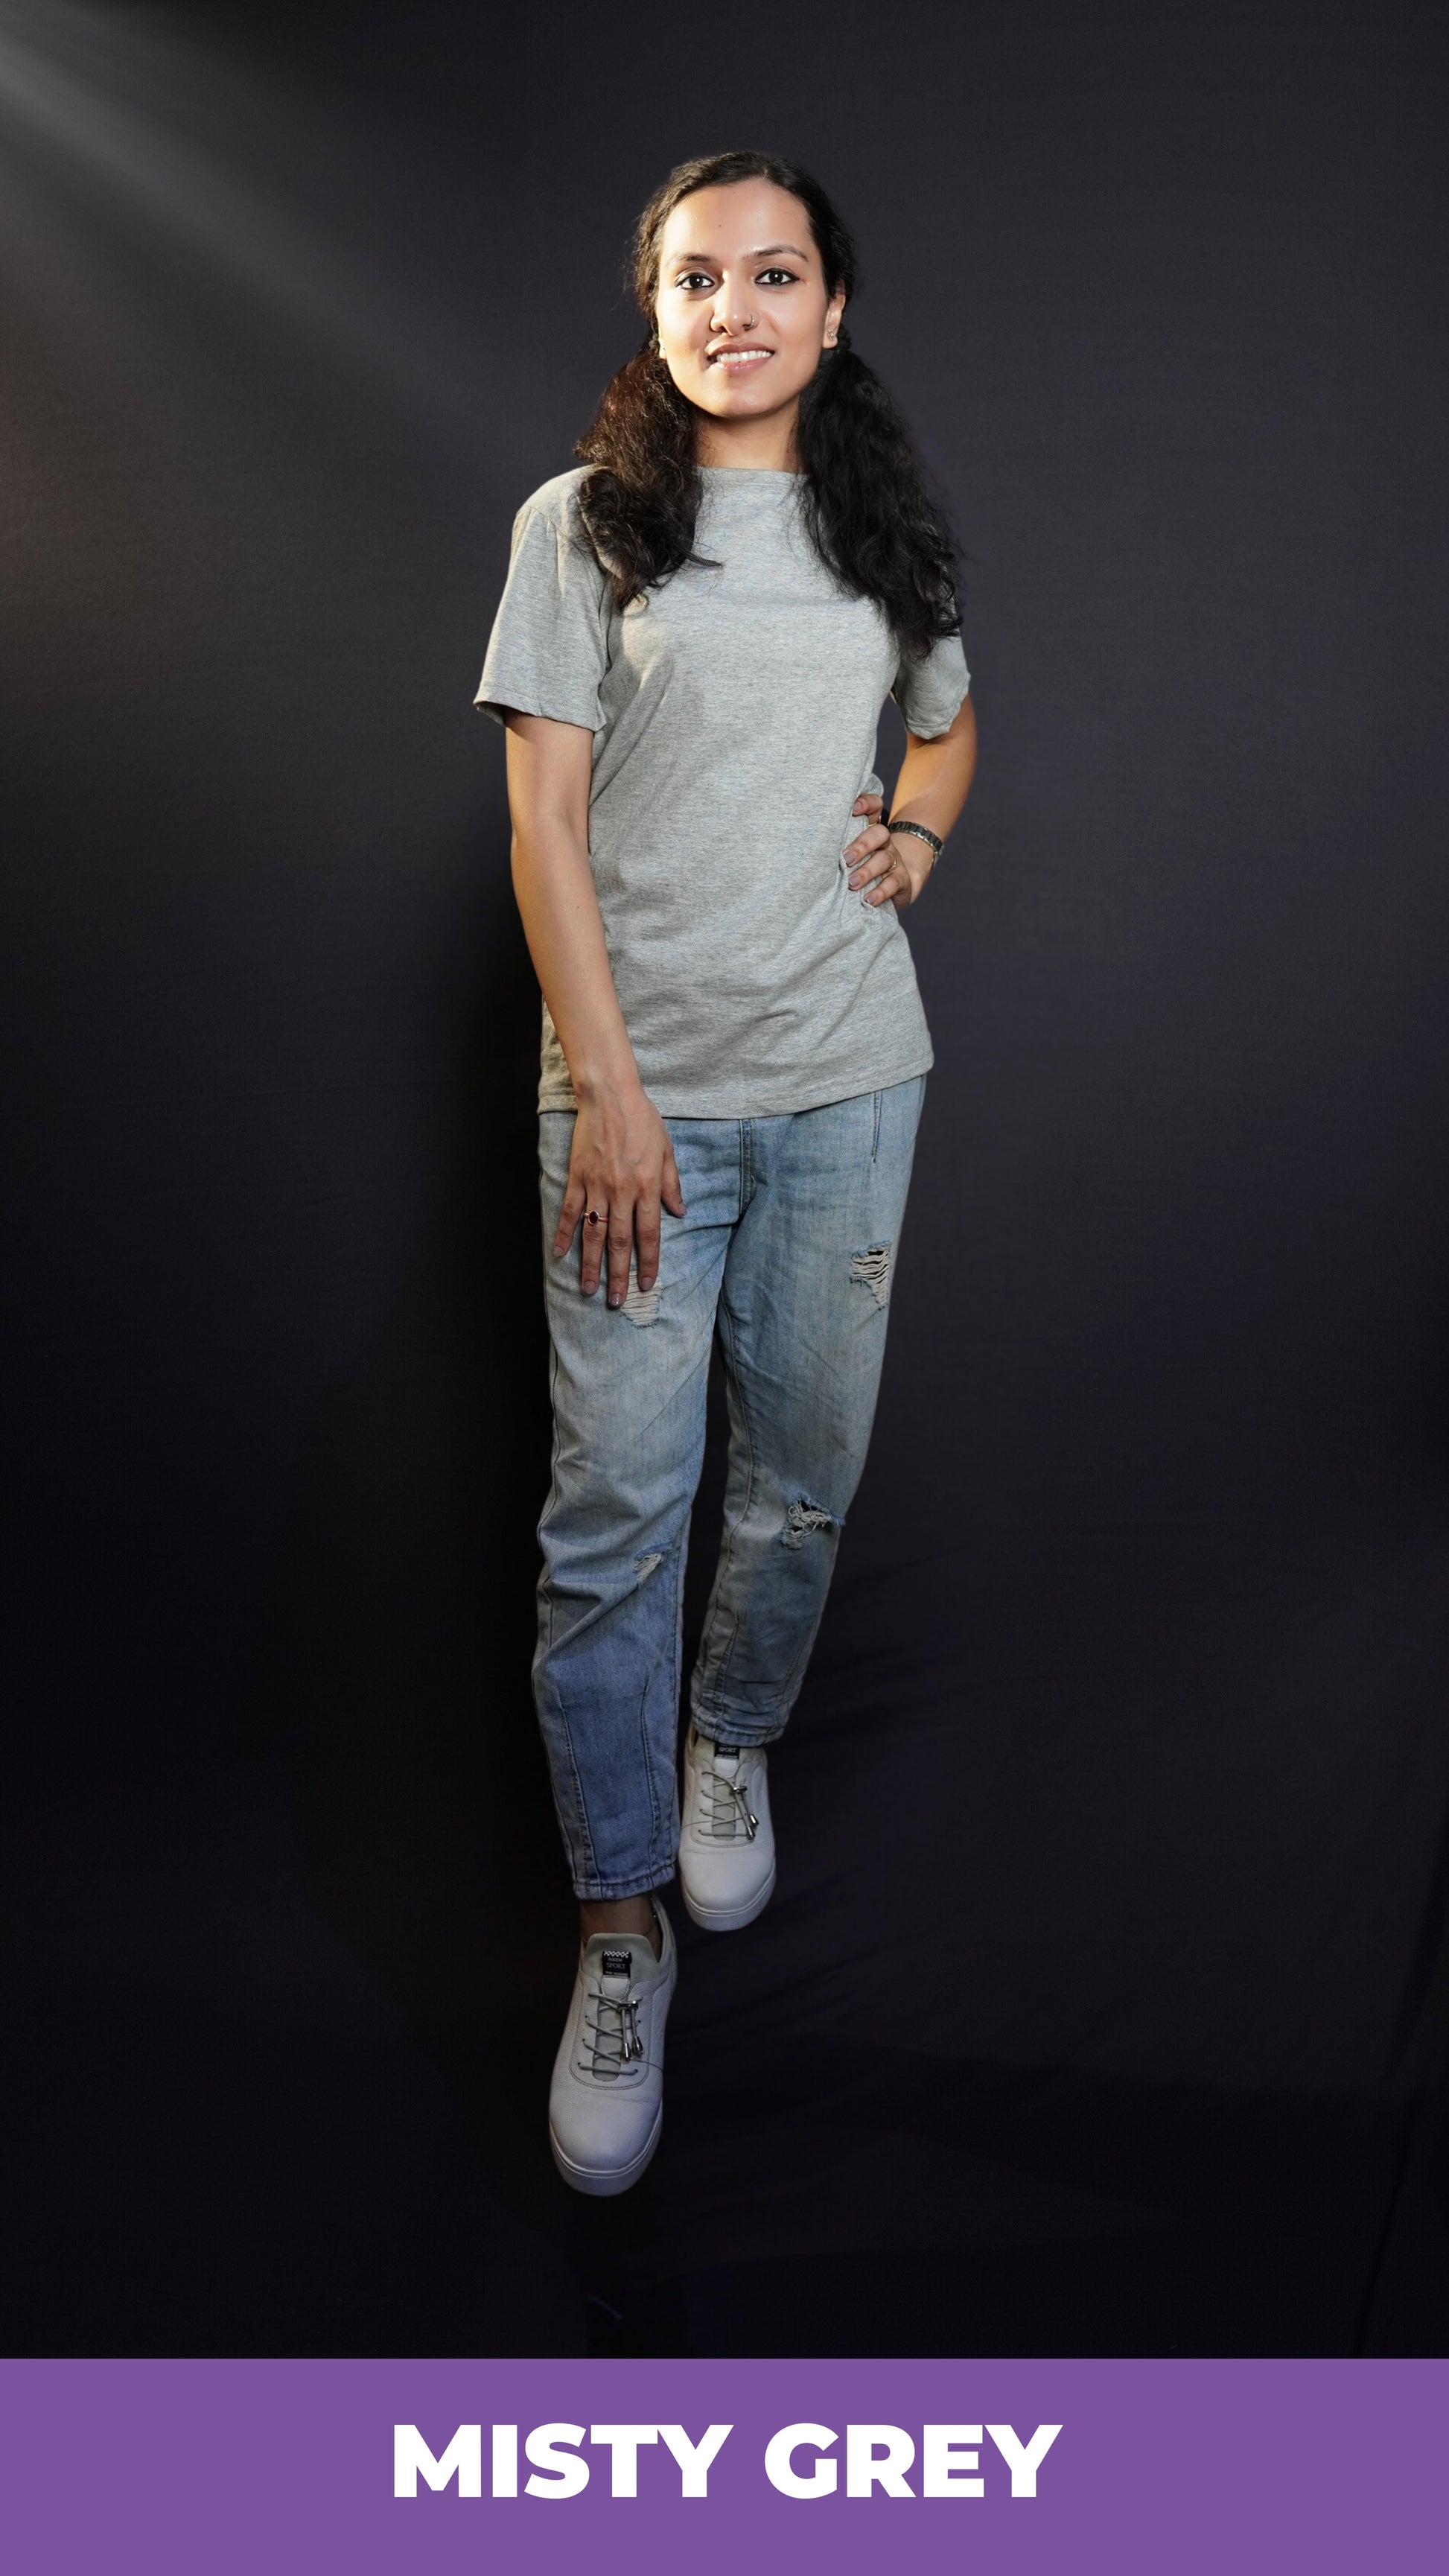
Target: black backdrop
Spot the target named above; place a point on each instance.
(1102, 2004)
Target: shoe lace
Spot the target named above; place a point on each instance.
(727, 1799)
(613, 2028)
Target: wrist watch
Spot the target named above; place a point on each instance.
(920, 831)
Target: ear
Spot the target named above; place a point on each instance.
(833, 312)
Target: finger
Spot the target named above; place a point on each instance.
(671, 1188)
(621, 1245)
(872, 842)
(891, 886)
(871, 870)
(569, 1215)
(595, 1237)
(646, 1238)
(874, 806)
(870, 873)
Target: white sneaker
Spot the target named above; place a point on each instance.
(726, 1841)
(606, 2103)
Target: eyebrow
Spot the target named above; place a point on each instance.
(706, 259)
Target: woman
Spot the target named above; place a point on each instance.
(699, 629)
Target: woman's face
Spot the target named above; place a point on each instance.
(743, 309)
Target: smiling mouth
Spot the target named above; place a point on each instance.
(738, 357)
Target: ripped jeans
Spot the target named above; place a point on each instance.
(787, 1244)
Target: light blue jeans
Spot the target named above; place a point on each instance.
(789, 1240)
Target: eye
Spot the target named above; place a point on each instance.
(777, 277)
(694, 277)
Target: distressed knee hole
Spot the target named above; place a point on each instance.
(803, 1516)
(871, 1266)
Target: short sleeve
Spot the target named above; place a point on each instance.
(930, 693)
(548, 650)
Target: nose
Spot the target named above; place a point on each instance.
(732, 310)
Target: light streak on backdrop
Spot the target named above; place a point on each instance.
(137, 122)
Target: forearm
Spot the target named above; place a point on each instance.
(621, 1161)
(548, 793)
(554, 887)
(935, 777)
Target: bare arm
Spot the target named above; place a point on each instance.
(933, 786)
(622, 1163)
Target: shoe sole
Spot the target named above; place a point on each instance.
(731, 1918)
(602, 2184)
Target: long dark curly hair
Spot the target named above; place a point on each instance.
(864, 497)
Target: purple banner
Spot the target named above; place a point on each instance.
(259, 2468)
(227, 2469)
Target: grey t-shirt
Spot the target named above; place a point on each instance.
(733, 713)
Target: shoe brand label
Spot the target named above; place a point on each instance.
(617, 1963)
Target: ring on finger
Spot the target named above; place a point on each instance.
(594, 1217)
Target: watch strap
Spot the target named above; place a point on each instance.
(920, 831)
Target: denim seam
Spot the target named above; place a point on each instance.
(677, 1653)
(726, 1328)
(647, 1756)
(655, 1811)
(576, 1833)
(796, 1675)
(585, 1837)
(875, 1129)
(556, 1442)
(726, 1561)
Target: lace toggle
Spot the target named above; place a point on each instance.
(729, 1804)
(613, 2027)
